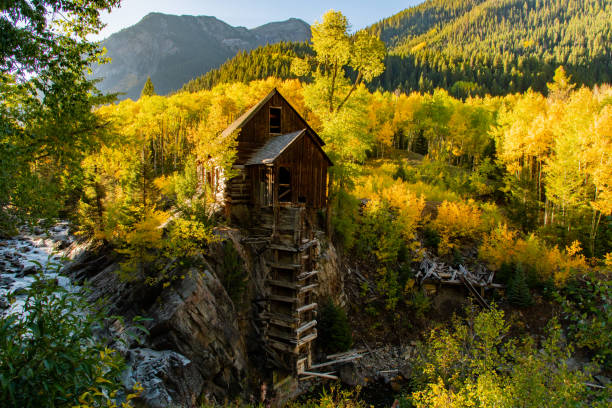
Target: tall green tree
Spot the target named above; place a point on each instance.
(46, 118)
(337, 51)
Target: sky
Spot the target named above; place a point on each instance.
(253, 13)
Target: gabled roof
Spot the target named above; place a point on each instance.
(273, 148)
(248, 115)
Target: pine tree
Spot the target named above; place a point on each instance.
(335, 332)
(148, 89)
(518, 292)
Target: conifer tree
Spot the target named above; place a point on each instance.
(148, 89)
(518, 291)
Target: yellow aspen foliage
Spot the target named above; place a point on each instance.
(141, 242)
(408, 205)
(503, 245)
(455, 222)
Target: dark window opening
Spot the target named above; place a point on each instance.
(265, 192)
(284, 185)
(275, 120)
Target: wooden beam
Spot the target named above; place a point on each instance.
(283, 284)
(308, 244)
(285, 299)
(307, 339)
(285, 248)
(306, 308)
(308, 288)
(346, 353)
(279, 345)
(306, 275)
(305, 327)
(284, 266)
(279, 316)
(341, 360)
(310, 374)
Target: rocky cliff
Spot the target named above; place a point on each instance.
(200, 345)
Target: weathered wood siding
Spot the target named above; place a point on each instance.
(308, 167)
(256, 132)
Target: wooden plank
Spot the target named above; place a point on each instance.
(285, 299)
(283, 323)
(285, 248)
(284, 266)
(306, 275)
(306, 327)
(306, 308)
(307, 339)
(338, 361)
(279, 345)
(311, 374)
(346, 353)
(308, 288)
(278, 316)
(283, 284)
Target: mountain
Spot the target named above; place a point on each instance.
(496, 46)
(469, 47)
(174, 49)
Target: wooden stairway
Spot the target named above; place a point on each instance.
(289, 320)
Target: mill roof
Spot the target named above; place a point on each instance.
(248, 115)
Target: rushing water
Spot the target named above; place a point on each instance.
(23, 255)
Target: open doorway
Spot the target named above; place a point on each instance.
(284, 185)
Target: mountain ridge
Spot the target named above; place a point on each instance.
(175, 49)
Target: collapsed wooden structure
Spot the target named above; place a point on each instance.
(280, 184)
(432, 271)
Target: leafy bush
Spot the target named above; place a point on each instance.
(344, 220)
(503, 245)
(336, 397)
(455, 223)
(587, 307)
(49, 356)
(188, 238)
(474, 364)
(334, 330)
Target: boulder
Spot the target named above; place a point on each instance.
(4, 304)
(27, 271)
(168, 378)
(5, 282)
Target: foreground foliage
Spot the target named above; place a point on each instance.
(50, 357)
(476, 364)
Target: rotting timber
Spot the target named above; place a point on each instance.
(277, 190)
(290, 258)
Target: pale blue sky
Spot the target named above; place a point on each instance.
(254, 13)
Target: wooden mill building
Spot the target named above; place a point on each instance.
(280, 184)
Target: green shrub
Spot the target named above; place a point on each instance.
(587, 308)
(334, 330)
(431, 238)
(49, 356)
(518, 291)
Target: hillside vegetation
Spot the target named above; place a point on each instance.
(492, 46)
(468, 47)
